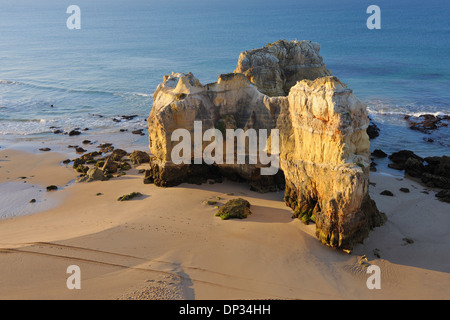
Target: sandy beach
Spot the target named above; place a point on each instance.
(168, 244)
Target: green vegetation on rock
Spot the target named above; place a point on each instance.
(234, 209)
(129, 196)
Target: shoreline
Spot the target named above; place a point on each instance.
(168, 244)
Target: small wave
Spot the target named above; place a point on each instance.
(401, 113)
(142, 94)
(379, 107)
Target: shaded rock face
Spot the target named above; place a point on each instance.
(324, 155)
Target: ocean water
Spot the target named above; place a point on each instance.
(112, 65)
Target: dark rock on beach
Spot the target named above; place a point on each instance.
(129, 117)
(426, 123)
(139, 131)
(74, 133)
(234, 209)
(444, 195)
(372, 130)
(377, 153)
(93, 174)
(106, 147)
(138, 157)
(434, 172)
(110, 166)
(387, 193)
(129, 196)
(402, 156)
(118, 154)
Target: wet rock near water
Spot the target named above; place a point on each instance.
(378, 153)
(74, 133)
(426, 123)
(52, 188)
(372, 130)
(434, 172)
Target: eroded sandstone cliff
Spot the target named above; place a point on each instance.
(323, 145)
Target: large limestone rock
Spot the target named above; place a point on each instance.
(278, 66)
(324, 155)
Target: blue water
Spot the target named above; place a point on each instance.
(113, 64)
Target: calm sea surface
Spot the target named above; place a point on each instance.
(113, 64)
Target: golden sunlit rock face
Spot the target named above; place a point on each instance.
(324, 155)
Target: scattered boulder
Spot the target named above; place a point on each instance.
(234, 209)
(427, 122)
(414, 167)
(129, 196)
(138, 131)
(118, 154)
(405, 190)
(434, 172)
(400, 157)
(138, 157)
(408, 240)
(124, 166)
(74, 133)
(372, 130)
(85, 158)
(52, 188)
(93, 174)
(443, 195)
(129, 117)
(378, 153)
(45, 149)
(148, 177)
(110, 166)
(387, 193)
(106, 147)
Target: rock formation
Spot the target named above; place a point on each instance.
(278, 66)
(323, 149)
